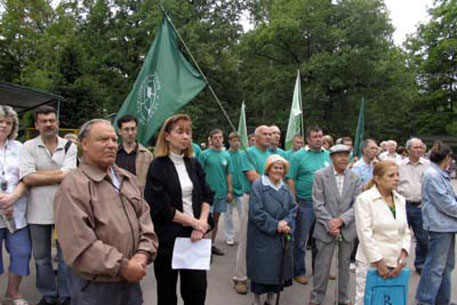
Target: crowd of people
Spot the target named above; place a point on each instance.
(115, 207)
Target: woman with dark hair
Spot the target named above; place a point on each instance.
(439, 214)
(179, 199)
(382, 228)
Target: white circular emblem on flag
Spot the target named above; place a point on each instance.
(148, 98)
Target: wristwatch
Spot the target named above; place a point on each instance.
(401, 262)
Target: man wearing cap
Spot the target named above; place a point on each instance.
(335, 190)
(303, 164)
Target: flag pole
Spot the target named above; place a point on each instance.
(302, 112)
(198, 67)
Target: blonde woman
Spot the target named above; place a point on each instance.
(179, 199)
(13, 205)
(382, 228)
(327, 141)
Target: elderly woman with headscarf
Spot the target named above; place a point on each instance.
(272, 211)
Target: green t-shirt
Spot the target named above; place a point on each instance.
(238, 176)
(303, 165)
(197, 150)
(278, 151)
(216, 164)
(255, 159)
(289, 153)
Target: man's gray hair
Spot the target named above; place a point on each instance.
(410, 142)
(366, 142)
(8, 112)
(84, 131)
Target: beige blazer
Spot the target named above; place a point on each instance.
(381, 235)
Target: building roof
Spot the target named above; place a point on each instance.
(23, 99)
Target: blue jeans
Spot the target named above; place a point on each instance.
(41, 236)
(435, 283)
(414, 215)
(304, 229)
(229, 227)
(19, 248)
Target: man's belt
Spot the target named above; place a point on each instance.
(414, 203)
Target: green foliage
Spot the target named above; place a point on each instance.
(432, 54)
(90, 52)
(344, 51)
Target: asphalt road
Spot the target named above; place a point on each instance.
(220, 287)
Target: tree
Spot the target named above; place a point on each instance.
(344, 51)
(433, 51)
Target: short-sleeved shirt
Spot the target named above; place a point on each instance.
(303, 164)
(363, 170)
(255, 159)
(36, 157)
(216, 164)
(238, 176)
(9, 172)
(410, 183)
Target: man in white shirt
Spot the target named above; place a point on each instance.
(391, 154)
(411, 170)
(46, 160)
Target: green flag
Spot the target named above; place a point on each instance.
(360, 129)
(166, 83)
(242, 128)
(295, 125)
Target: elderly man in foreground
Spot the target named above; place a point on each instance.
(103, 224)
(335, 191)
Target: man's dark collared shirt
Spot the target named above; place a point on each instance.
(126, 160)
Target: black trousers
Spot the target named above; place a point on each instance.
(193, 283)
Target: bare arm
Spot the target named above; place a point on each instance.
(252, 175)
(229, 188)
(198, 224)
(44, 177)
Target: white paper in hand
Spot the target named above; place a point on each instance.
(191, 255)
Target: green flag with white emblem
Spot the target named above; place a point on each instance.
(166, 82)
(295, 125)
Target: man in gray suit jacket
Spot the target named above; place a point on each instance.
(335, 190)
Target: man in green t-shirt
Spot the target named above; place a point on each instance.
(217, 164)
(238, 180)
(253, 166)
(276, 142)
(297, 143)
(303, 164)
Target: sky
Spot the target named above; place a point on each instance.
(406, 15)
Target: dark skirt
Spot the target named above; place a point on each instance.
(258, 288)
